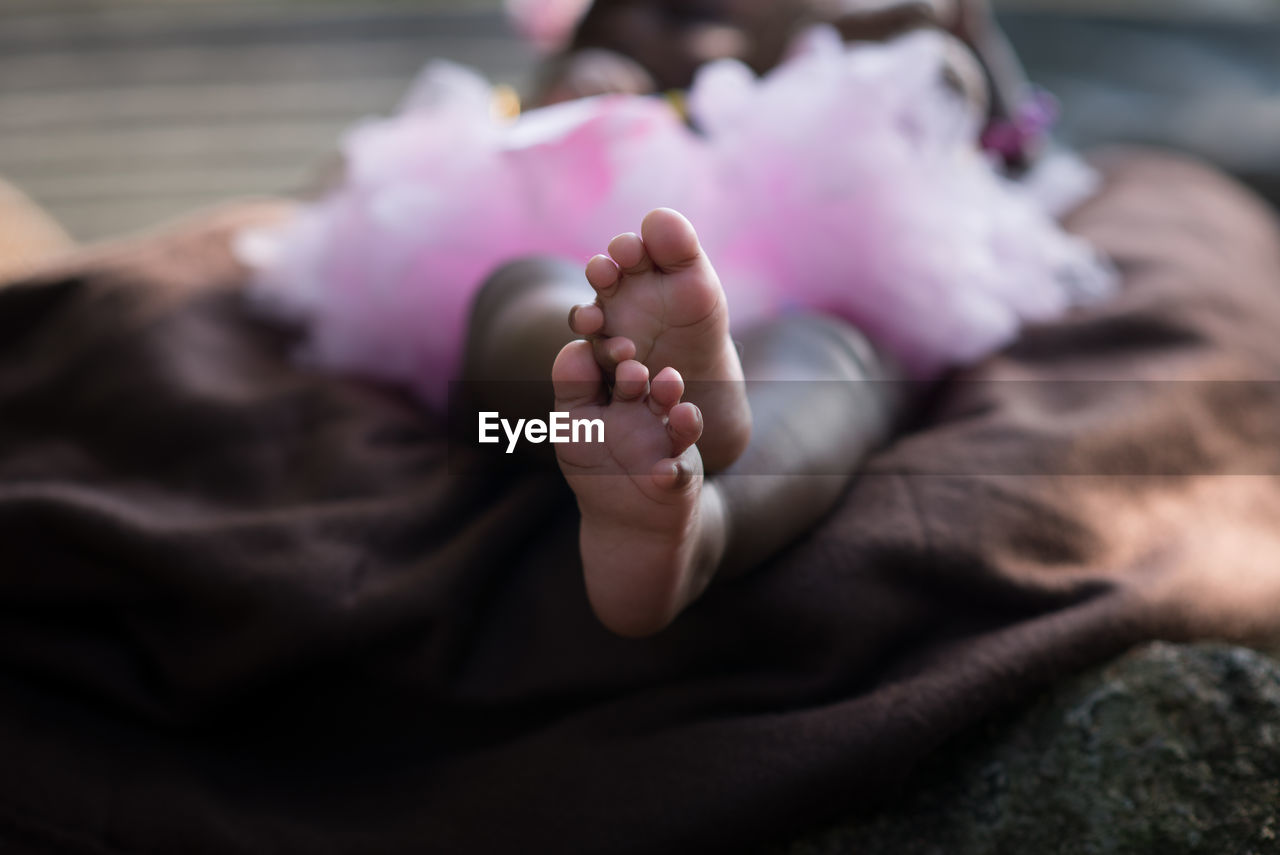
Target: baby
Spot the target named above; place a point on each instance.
(700, 473)
(847, 182)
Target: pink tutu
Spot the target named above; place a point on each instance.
(849, 180)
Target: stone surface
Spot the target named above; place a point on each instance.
(1172, 750)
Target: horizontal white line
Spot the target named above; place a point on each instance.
(217, 181)
(35, 17)
(267, 99)
(150, 145)
(251, 65)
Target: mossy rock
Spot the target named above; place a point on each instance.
(1172, 750)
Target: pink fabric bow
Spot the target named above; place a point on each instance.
(1018, 137)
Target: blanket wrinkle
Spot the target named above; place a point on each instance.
(249, 607)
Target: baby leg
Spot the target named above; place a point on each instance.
(823, 398)
(655, 530)
(516, 330)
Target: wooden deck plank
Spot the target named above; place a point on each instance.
(112, 107)
(116, 114)
(129, 215)
(124, 146)
(250, 63)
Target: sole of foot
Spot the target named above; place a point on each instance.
(649, 530)
(659, 301)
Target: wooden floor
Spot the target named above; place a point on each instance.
(115, 115)
(118, 114)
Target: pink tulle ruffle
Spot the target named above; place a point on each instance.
(848, 180)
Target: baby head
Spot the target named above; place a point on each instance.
(671, 38)
(641, 46)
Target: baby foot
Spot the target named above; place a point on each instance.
(647, 546)
(659, 301)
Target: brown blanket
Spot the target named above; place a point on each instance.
(245, 608)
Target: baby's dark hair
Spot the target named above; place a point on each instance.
(670, 39)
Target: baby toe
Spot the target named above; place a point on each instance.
(612, 352)
(631, 381)
(602, 273)
(629, 252)
(684, 425)
(666, 390)
(670, 239)
(676, 473)
(577, 377)
(586, 319)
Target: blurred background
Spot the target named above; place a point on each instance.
(118, 114)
